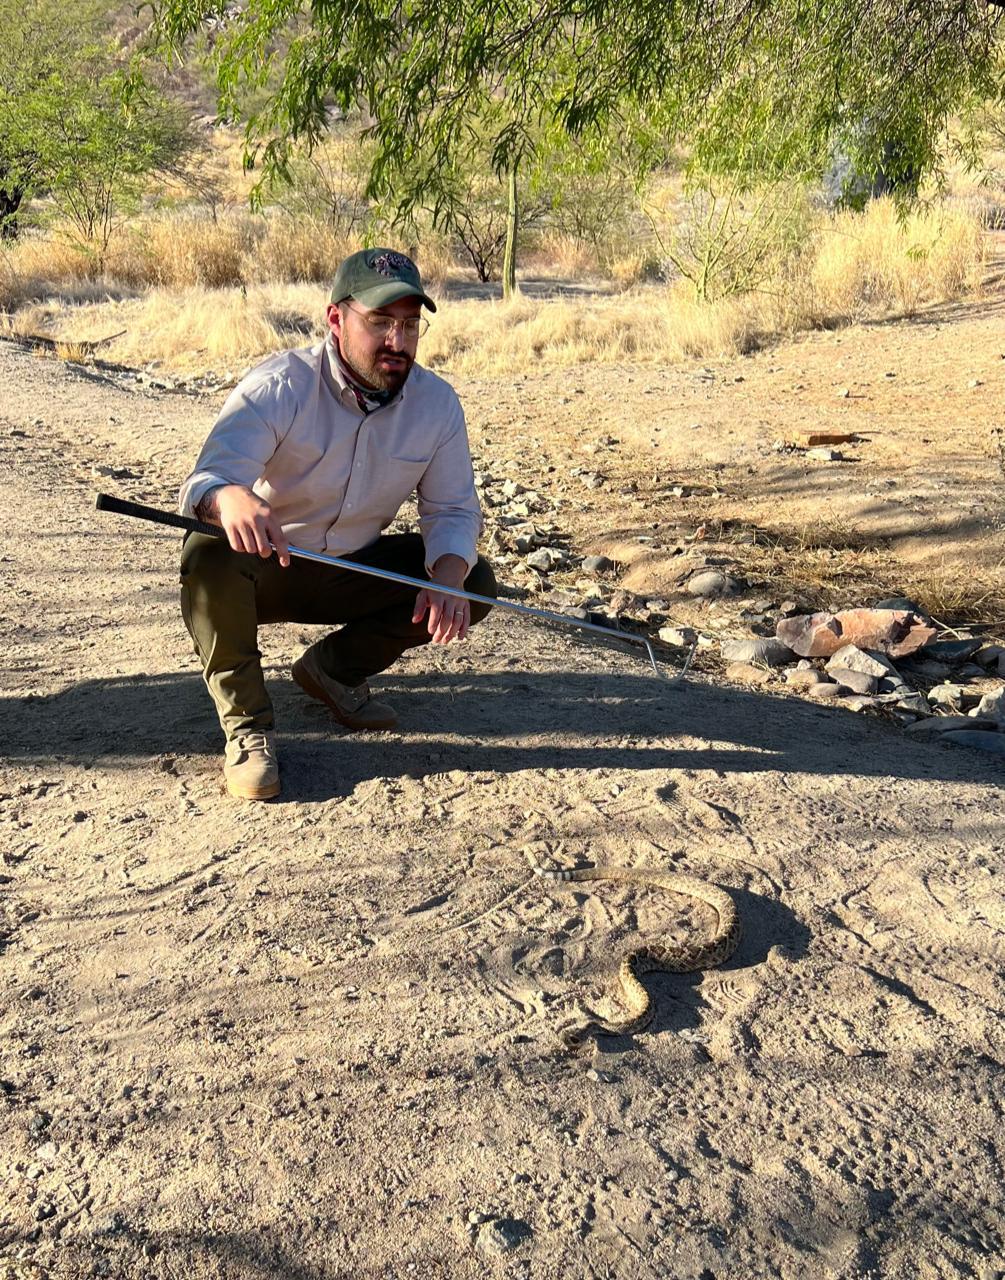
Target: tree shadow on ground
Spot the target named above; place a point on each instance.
(499, 721)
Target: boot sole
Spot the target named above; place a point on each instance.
(253, 793)
(310, 686)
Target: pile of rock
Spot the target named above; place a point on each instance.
(887, 658)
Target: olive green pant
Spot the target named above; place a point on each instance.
(226, 595)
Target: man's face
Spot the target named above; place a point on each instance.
(379, 352)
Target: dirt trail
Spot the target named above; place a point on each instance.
(316, 1038)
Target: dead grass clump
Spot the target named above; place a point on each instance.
(954, 597)
(75, 352)
(557, 255)
(185, 250)
(881, 259)
(54, 258)
(14, 288)
(480, 338)
(297, 251)
(196, 329)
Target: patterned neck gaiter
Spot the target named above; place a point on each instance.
(368, 398)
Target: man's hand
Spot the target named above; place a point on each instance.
(449, 616)
(247, 521)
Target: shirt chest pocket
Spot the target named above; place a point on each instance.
(391, 480)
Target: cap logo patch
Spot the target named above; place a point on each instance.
(392, 264)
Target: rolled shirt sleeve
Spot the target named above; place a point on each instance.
(450, 517)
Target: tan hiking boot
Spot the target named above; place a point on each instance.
(250, 766)
(355, 708)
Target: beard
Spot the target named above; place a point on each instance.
(384, 370)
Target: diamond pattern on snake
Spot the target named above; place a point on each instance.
(655, 957)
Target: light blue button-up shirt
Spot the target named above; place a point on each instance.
(292, 431)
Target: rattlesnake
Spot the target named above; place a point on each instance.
(666, 957)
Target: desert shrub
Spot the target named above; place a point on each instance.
(724, 236)
(328, 184)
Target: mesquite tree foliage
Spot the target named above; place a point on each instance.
(774, 84)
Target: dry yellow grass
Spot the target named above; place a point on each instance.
(185, 314)
(188, 331)
(180, 250)
(878, 259)
(555, 255)
(951, 596)
(495, 337)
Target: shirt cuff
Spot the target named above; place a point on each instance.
(446, 546)
(195, 489)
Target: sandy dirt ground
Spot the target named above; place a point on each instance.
(316, 1038)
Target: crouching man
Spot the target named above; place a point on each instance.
(319, 447)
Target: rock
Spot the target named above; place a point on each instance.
(990, 655)
(935, 726)
(711, 584)
(476, 1218)
(803, 679)
(858, 681)
(743, 673)
(545, 559)
(512, 488)
(851, 658)
(597, 564)
(682, 637)
(928, 668)
(992, 705)
(823, 455)
(951, 651)
(947, 695)
(499, 1237)
(824, 692)
(857, 703)
(893, 631)
(911, 701)
(901, 604)
(980, 740)
(770, 652)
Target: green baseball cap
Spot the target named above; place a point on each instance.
(377, 277)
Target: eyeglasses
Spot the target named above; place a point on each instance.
(382, 326)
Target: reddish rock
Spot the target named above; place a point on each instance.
(891, 631)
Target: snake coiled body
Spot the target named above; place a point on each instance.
(665, 957)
